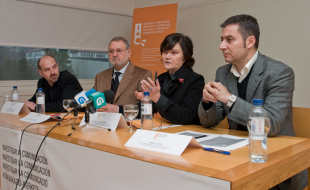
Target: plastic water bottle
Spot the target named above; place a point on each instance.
(146, 112)
(40, 103)
(15, 95)
(258, 126)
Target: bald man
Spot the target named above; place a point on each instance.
(56, 85)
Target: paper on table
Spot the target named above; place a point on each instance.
(158, 123)
(35, 118)
(106, 120)
(220, 142)
(161, 142)
(14, 108)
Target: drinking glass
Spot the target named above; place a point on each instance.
(131, 111)
(67, 105)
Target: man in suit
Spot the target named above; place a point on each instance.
(124, 78)
(249, 75)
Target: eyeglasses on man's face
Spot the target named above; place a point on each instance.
(118, 51)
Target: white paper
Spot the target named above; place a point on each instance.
(160, 142)
(106, 120)
(220, 142)
(12, 107)
(165, 127)
(35, 118)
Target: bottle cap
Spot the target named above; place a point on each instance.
(40, 89)
(146, 93)
(258, 102)
(14, 87)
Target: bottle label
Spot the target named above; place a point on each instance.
(15, 96)
(258, 126)
(40, 100)
(146, 109)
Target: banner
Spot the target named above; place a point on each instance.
(150, 26)
(65, 166)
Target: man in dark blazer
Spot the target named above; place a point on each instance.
(56, 85)
(124, 78)
(249, 75)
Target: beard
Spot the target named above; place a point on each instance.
(53, 80)
(118, 62)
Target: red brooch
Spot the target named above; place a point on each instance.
(181, 80)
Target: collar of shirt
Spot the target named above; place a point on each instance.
(121, 71)
(245, 70)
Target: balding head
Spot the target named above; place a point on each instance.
(48, 68)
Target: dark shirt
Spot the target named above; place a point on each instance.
(66, 87)
(242, 88)
(179, 101)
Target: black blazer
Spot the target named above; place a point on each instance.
(66, 87)
(179, 102)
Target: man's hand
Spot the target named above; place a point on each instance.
(214, 91)
(111, 108)
(30, 105)
(139, 95)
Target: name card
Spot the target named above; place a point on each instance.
(35, 118)
(105, 120)
(14, 108)
(161, 142)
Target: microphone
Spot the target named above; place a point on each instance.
(83, 96)
(97, 100)
(109, 95)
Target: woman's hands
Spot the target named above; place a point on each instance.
(152, 88)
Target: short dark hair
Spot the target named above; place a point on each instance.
(186, 44)
(248, 26)
(38, 62)
(120, 38)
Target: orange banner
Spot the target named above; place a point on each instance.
(149, 28)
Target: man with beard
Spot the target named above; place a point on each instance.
(56, 85)
(124, 78)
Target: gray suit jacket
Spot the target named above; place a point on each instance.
(271, 81)
(130, 83)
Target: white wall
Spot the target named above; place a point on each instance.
(284, 26)
(44, 23)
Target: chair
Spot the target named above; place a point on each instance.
(301, 123)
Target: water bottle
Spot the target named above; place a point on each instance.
(258, 126)
(15, 95)
(146, 112)
(40, 103)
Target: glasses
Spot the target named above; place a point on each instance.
(118, 51)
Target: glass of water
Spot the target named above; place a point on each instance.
(67, 104)
(131, 111)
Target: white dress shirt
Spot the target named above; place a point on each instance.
(122, 71)
(245, 70)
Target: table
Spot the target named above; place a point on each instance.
(287, 156)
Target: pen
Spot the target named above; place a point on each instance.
(215, 150)
(155, 78)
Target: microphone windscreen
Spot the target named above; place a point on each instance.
(109, 95)
(90, 92)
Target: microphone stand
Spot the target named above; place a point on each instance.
(75, 117)
(86, 122)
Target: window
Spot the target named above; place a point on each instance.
(20, 63)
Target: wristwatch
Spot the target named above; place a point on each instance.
(231, 100)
